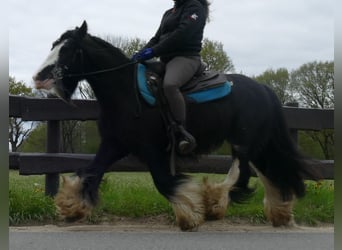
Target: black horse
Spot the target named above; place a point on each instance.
(250, 118)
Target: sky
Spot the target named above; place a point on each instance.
(256, 34)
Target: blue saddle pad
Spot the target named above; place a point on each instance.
(199, 96)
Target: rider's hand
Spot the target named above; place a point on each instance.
(143, 55)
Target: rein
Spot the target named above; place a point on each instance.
(97, 72)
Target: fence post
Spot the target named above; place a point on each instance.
(293, 132)
(52, 146)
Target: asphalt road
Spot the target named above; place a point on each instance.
(101, 238)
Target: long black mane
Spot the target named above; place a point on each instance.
(114, 51)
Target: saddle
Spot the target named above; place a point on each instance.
(203, 87)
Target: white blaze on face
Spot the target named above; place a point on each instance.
(50, 60)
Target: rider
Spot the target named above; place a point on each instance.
(178, 42)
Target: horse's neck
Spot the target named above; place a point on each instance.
(99, 57)
(112, 88)
(115, 86)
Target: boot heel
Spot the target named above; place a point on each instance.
(187, 143)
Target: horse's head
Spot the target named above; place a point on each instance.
(64, 60)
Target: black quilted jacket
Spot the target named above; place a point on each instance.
(180, 32)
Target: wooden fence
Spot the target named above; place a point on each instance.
(53, 162)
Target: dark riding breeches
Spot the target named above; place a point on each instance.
(178, 72)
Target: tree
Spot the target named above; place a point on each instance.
(217, 59)
(279, 81)
(314, 83)
(18, 130)
(36, 142)
(79, 136)
(128, 45)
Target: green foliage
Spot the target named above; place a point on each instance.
(311, 85)
(279, 81)
(314, 83)
(18, 130)
(322, 144)
(214, 55)
(91, 138)
(83, 138)
(18, 88)
(308, 146)
(36, 142)
(80, 137)
(128, 45)
(318, 204)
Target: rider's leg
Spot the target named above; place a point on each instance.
(178, 72)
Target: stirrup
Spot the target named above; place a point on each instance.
(187, 143)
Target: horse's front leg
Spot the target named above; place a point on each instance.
(184, 194)
(79, 195)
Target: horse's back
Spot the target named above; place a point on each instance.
(254, 106)
(248, 85)
(251, 97)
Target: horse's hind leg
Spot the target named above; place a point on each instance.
(241, 191)
(216, 195)
(277, 210)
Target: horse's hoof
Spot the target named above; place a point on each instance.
(187, 226)
(188, 206)
(69, 203)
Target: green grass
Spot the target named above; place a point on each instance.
(27, 202)
(315, 208)
(318, 205)
(134, 195)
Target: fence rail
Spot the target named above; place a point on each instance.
(50, 163)
(51, 109)
(54, 162)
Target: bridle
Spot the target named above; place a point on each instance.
(58, 70)
(58, 75)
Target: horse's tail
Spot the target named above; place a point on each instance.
(282, 162)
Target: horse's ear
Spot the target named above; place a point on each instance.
(82, 31)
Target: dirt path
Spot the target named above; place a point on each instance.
(160, 224)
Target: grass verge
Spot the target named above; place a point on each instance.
(134, 195)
